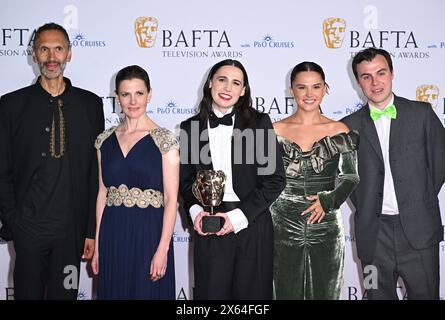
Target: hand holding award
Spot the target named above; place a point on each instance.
(209, 190)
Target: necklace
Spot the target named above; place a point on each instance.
(52, 141)
(60, 88)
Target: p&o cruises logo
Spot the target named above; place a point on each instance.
(357, 106)
(82, 295)
(80, 40)
(184, 237)
(268, 41)
(172, 108)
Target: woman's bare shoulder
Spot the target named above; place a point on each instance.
(337, 127)
(282, 124)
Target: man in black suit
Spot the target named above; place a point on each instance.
(229, 135)
(48, 173)
(402, 169)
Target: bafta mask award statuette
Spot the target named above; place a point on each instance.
(209, 190)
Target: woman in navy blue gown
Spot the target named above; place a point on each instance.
(137, 200)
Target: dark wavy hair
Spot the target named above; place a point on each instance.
(132, 72)
(243, 107)
(51, 26)
(369, 54)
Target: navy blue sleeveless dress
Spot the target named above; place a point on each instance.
(129, 235)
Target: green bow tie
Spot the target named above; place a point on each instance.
(389, 111)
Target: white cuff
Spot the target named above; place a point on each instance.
(194, 211)
(238, 219)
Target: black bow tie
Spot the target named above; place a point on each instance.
(226, 120)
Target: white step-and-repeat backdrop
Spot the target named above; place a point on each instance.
(268, 37)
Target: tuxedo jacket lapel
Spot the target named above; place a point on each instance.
(204, 146)
(396, 124)
(370, 132)
(236, 172)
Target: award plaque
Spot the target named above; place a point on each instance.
(209, 190)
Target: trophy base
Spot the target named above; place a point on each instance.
(212, 223)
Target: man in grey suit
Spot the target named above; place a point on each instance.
(401, 162)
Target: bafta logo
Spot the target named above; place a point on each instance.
(428, 93)
(334, 32)
(146, 29)
(209, 190)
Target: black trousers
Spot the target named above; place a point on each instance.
(394, 257)
(235, 266)
(45, 268)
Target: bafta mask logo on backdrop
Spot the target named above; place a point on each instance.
(145, 29)
(428, 93)
(334, 32)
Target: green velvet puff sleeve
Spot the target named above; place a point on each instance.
(348, 178)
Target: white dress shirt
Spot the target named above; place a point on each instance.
(383, 127)
(220, 139)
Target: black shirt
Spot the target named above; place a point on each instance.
(47, 205)
(23, 139)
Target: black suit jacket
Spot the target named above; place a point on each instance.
(256, 191)
(417, 160)
(23, 139)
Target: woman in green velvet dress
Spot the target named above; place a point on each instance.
(320, 161)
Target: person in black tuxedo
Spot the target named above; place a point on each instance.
(229, 135)
(402, 169)
(48, 173)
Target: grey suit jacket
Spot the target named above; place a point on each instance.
(417, 160)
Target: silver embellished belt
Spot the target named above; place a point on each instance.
(134, 197)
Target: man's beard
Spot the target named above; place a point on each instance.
(52, 74)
